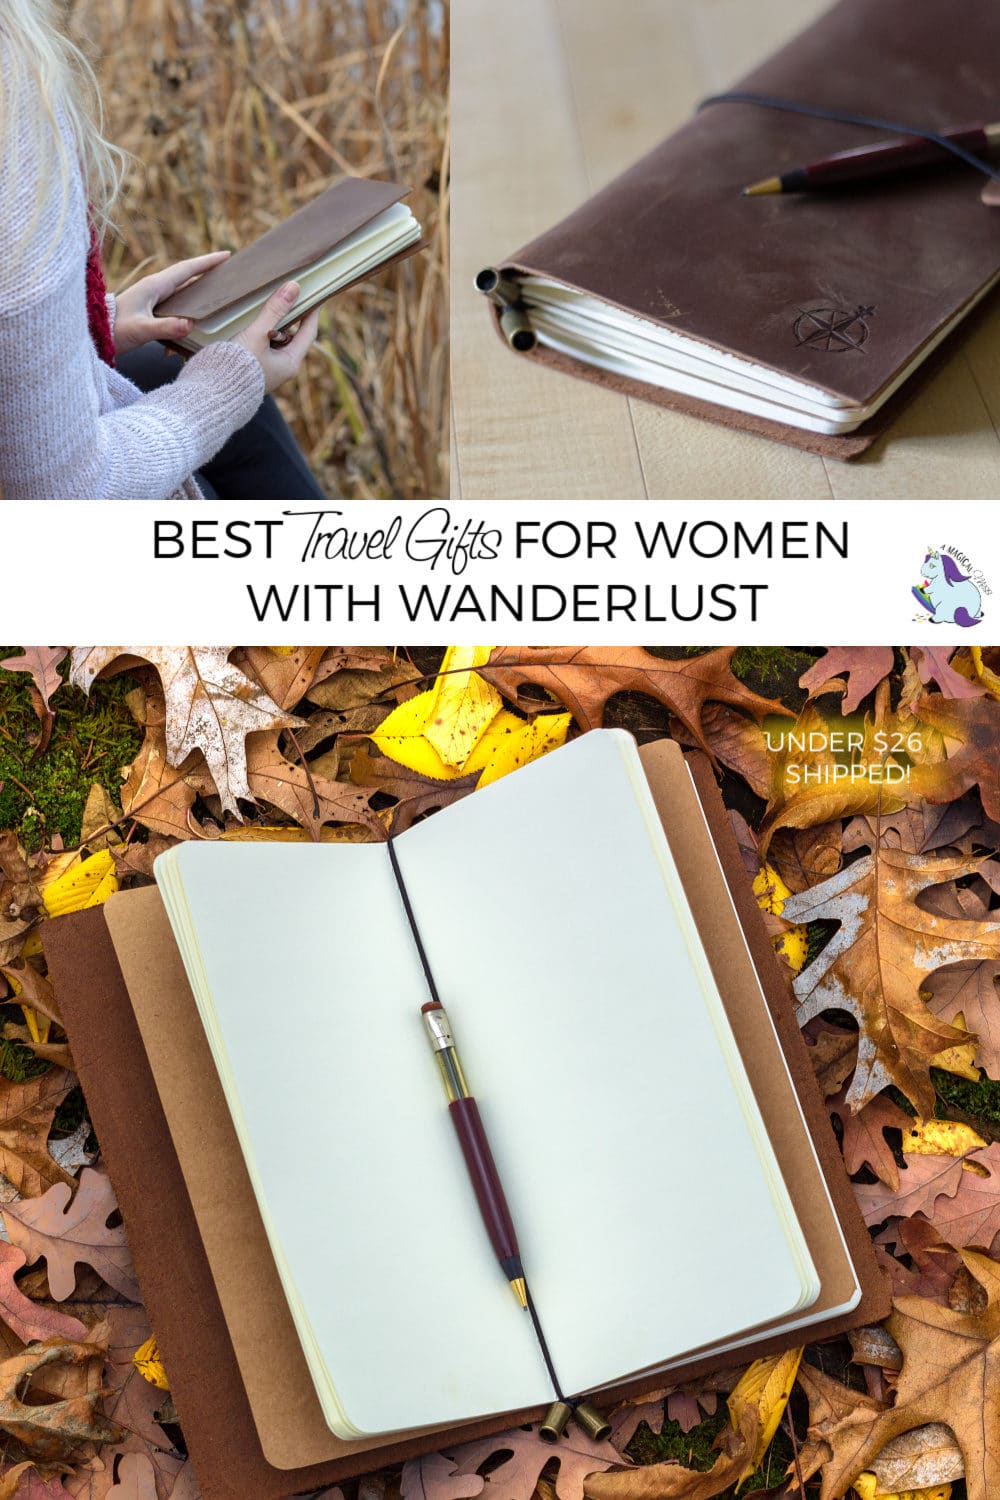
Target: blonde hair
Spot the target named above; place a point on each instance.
(42, 60)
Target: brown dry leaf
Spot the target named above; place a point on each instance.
(925, 1179)
(136, 1479)
(56, 1053)
(416, 794)
(311, 800)
(28, 1319)
(25, 1482)
(950, 1374)
(839, 785)
(67, 1232)
(737, 743)
(55, 1431)
(20, 897)
(101, 818)
(211, 706)
(284, 676)
(974, 723)
(515, 1478)
(829, 1403)
(352, 687)
(833, 1052)
(41, 663)
(864, 1142)
(583, 678)
(966, 1212)
(970, 990)
(934, 665)
(805, 856)
(671, 1481)
(26, 1112)
(875, 965)
(863, 666)
(159, 796)
(918, 1460)
(32, 989)
(130, 1400)
(434, 1477)
(918, 828)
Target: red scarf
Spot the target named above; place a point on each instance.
(97, 308)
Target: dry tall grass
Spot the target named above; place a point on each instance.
(238, 112)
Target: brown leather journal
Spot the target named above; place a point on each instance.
(200, 1248)
(799, 316)
(363, 219)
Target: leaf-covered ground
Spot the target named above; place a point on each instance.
(864, 793)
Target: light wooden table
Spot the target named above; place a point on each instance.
(552, 99)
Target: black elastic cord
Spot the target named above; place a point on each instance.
(847, 117)
(425, 964)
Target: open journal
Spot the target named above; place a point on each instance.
(796, 316)
(576, 977)
(349, 232)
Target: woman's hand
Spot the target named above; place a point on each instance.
(281, 363)
(135, 323)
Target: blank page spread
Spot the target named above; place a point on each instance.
(575, 982)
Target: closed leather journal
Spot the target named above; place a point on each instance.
(228, 1293)
(803, 316)
(349, 232)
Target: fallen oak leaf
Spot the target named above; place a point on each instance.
(435, 1477)
(924, 1181)
(25, 1482)
(875, 965)
(863, 666)
(66, 1232)
(285, 676)
(28, 1319)
(26, 1113)
(583, 678)
(310, 800)
(975, 725)
(934, 665)
(55, 1431)
(210, 705)
(970, 990)
(951, 1366)
(136, 1479)
(516, 1476)
(41, 663)
(864, 1143)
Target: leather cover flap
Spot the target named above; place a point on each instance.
(290, 247)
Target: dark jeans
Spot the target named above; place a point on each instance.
(262, 461)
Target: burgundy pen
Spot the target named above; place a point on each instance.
(476, 1149)
(880, 159)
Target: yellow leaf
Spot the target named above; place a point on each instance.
(282, 650)
(766, 1385)
(147, 1361)
(940, 1138)
(401, 737)
(506, 747)
(867, 1488)
(84, 883)
(959, 1059)
(772, 893)
(464, 705)
(436, 732)
(979, 673)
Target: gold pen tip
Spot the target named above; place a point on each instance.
(759, 189)
(519, 1287)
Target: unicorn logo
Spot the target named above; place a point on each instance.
(948, 595)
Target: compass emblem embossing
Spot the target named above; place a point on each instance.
(834, 330)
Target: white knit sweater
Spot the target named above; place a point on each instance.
(70, 426)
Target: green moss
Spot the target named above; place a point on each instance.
(16, 1061)
(693, 1449)
(981, 1099)
(92, 738)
